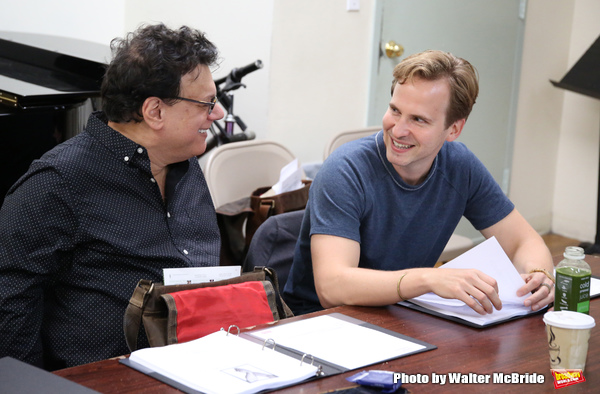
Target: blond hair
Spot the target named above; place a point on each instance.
(432, 65)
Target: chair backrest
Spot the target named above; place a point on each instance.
(273, 244)
(346, 136)
(235, 170)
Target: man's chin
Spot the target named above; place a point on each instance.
(200, 152)
(394, 158)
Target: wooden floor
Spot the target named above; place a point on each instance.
(558, 243)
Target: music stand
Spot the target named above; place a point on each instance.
(584, 78)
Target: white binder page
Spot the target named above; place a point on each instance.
(489, 258)
(337, 341)
(222, 363)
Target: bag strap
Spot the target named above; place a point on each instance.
(133, 314)
(265, 209)
(282, 308)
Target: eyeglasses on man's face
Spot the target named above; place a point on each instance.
(210, 104)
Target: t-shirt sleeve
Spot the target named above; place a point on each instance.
(337, 199)
(486, 204)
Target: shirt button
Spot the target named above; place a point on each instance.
(185, 251)
(126, 158)
(140, 150)
(152, 180)
(168, 214)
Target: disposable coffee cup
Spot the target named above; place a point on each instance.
(568, 337)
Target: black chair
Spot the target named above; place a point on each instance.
(273, 244)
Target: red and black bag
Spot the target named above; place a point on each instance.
(181, 313)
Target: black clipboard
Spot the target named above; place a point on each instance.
(19, 377)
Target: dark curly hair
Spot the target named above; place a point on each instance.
(150, 63)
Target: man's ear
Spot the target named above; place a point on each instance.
(153, 112)
(455, 129)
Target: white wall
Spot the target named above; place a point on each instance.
(320, 73)
(537, 129)
(241, 30)
(575, 192)
(84, 20)
(315, 81)
(555, 163)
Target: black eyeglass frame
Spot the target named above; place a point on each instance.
(210, 104)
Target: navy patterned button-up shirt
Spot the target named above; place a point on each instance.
(79, 230)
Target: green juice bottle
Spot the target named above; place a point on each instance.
(573, 275)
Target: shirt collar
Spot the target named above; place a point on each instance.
(381, 151)
(124, 149)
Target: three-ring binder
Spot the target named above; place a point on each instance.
(270, 360)
(269, 340)
(312, 359)
(234, 326)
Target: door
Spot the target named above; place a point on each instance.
(489, 34)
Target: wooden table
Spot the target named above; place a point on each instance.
(518, 346)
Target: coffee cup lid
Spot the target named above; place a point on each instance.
(569, 319)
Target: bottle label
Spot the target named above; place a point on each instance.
(572, 290)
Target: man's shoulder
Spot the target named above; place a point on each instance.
(460, 167)
(355, 155)
(455, 154)
(367, 144)
(456, 149)
(66, 154)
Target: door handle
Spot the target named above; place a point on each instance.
(393, 50)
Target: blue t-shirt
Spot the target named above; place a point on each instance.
(357, 194)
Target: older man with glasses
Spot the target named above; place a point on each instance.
(113, 205)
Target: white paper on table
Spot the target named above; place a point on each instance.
(594, 287)
(340, 342)
(189, 275)
(221, 363)
(489, 258)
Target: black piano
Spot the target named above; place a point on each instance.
(46, 96)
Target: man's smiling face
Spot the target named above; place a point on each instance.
(414, 127)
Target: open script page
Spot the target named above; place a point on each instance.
(489, 258)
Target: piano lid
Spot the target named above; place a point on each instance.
(32, 76)
(584, 76)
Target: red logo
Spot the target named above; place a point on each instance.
(567, 377)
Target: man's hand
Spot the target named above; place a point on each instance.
(528, 252)
(339, 280)
(476, 289)
(541, 287)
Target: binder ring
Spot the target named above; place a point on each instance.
(269, 340)
(229, 329)
(312, 359)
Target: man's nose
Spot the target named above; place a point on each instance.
(217, 113)
(400, 128)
